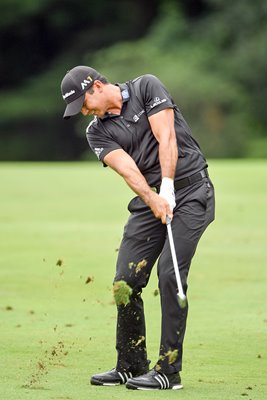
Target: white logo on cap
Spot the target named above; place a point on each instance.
(68, 94)
(86, 82)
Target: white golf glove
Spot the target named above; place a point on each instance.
(167, 191)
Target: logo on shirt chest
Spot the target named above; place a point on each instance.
(136, 117)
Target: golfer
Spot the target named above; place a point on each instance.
(140, 133)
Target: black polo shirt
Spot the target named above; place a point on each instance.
(131, 131)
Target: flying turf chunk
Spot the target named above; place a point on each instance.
(122, 293)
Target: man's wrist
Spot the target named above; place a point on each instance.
(167, 191)
(167, 184)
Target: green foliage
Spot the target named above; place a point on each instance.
(238, 30)
(211, 58)
(13, 10)
(213, 105)
(169, 27)
(215, 73)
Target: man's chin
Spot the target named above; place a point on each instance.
(100, 114)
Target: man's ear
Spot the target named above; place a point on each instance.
(98, 84)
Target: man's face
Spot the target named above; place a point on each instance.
(94, 102)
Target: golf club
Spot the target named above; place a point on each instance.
(181, 296)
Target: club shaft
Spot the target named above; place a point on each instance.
(174, 259)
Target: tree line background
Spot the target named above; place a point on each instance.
(211, 54)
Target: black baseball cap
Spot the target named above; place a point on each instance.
(73, 87)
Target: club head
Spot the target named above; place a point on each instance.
(182, 300)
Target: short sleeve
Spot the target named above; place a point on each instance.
(155, 95)
(100, 143)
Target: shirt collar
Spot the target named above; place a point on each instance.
(124, 92)
(125, 98)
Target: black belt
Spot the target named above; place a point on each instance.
(189, 180)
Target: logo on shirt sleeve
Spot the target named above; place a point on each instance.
(157, 101)
(98, 151)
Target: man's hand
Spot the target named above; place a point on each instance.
(167, 191)
(160, 207)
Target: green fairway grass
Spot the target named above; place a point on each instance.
(60, 227)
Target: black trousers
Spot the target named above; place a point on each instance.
(144, 241)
